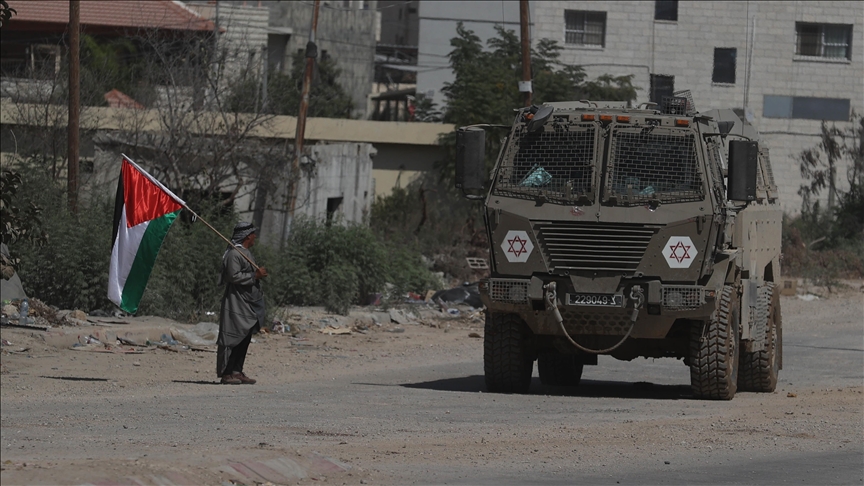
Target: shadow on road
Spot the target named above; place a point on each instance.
(196, 382)
(73, 378)
(587, 388)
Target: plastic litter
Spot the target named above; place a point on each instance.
(538, 177)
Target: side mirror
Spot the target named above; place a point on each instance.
(470, 158)
(743, 162)
(540, 118)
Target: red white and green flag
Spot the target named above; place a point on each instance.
(143, 213)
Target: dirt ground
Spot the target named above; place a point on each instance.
(146, 414)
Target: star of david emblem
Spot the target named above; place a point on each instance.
(684, 253)
(679, 252)
(517, 246)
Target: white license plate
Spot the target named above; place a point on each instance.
(596, 300)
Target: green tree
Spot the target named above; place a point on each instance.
(327, 98)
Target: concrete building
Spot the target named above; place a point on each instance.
(784, 65)
(347, 32)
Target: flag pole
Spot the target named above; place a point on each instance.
(230, 243)
(183, 204)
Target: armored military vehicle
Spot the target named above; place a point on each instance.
(650, 232)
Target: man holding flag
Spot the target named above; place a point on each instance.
(144, 211)
(243, 311)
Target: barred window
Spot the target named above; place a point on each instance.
(823, 40)
(583, 28)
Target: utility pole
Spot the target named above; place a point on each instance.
(74, 104)
(525, 85)
(311, 54)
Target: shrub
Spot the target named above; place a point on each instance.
(336, 266)
(184, 284)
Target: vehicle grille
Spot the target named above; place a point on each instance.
(682, 297)
(608, 322)
(569, 245)
(508, 291)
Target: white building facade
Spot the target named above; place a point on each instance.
(785, 65)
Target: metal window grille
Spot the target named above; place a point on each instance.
(690, 107)
(653, 165)
(508, 291)
(557, 161)
(823, 40)
(682, 297)
(584, 28)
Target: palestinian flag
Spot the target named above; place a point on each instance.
(143, 213)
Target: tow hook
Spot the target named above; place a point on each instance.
(551, 298)
(637, 295)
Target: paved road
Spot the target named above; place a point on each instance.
(628, 423)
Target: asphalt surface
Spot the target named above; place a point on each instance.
(627, 423)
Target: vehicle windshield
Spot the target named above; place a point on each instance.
(557, 162)
(652, 165)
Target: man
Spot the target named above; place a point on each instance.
(242, 312)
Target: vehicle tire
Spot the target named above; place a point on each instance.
(759, 369)
(556, 369)
(714, 356)
(507, 361)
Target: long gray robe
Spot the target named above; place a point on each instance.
(242, 309)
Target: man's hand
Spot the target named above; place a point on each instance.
(260, 273)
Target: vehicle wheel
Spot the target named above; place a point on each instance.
(507, 361)
(759, 370)
(714, 356)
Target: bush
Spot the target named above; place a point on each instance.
(336, 266)
(70, 270)
(184, 284)
(813, 250)
(432, 217)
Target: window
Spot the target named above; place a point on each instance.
(662, 86)
(823, 40)
(724, 65)
(666, 10)
(807, 108)
(584, 28)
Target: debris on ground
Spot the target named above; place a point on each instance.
(467, 293)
